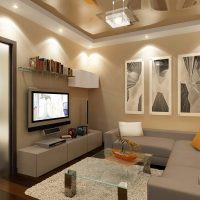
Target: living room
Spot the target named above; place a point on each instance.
(39, 28)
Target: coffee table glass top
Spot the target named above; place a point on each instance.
(104, 168)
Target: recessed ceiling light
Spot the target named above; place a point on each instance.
(15, 6)
(60, 30)
(146, 37)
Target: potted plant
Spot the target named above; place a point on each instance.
(124, 154)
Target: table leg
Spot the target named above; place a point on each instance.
(122, 191)
(70, 183)
(147, 164)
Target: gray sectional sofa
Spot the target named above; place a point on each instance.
(173, 149)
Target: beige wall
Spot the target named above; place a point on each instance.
(33, 40)
(106, 105)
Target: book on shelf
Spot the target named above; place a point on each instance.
(52, 66)
(66, 137)
(61, 69)
(49, 65)
(43, 64)
(33, 62)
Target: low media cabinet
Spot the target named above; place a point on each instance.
(35, 160)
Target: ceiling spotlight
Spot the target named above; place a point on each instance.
(60, 30)
(146, 37)
(15, 6)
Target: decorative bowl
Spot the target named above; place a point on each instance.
(128, 156)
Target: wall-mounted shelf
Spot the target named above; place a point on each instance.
(28, 69)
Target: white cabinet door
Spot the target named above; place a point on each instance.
(83, 79)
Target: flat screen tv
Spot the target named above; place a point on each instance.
(47, 109)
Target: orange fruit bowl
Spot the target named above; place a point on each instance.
(124, 156)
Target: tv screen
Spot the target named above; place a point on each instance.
(47, 109)
(47, 106)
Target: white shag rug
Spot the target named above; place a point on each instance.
(53, 188)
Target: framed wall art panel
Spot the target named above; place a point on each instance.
(160, 86)
(189, 84)
(134, 87)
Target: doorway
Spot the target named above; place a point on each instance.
(7, 107)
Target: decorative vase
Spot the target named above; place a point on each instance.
(127, 156)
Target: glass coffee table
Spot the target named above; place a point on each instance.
(104, 168)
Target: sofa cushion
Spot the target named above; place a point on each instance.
(187, 175)
(196, 141)
(156, 146)
(130, 129)
(162, 188)
(183, 154)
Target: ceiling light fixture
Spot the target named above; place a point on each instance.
(119, 17)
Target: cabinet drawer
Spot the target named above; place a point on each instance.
(77, 147)
(94, 141)
(51, 159)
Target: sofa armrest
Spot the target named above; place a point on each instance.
(109, 137)
(165, 189)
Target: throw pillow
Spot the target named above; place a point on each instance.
(196, 141)
(130, 129)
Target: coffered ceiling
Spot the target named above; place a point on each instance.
(84, 14)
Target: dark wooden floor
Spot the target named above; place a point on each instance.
(13, 188)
